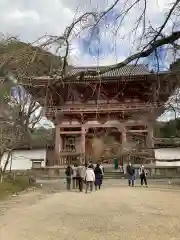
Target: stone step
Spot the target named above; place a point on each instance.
(107, 175)
(113, 175)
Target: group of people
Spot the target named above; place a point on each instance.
(130, 171)
(87, 175)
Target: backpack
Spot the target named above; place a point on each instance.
(143, 171)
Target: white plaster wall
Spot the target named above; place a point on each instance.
(167, 153)
(162, 154)
(168, 164)
(21, 159)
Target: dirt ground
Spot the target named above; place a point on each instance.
(115, 212)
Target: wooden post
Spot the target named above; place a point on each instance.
(83, 144)
(149, 137)
(58, 144)
(124, 137)
(150, 140)
(123, 132)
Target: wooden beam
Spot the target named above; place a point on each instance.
(70, 132)
(70, 125)
(137, 131)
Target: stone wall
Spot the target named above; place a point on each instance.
(153, 172)
(162, 172)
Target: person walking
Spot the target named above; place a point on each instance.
(116, 164)
(98, 176)
(91, 164)
(102, 169)
(68, 173)
(130, 171)
(89, 178)
(143, 175)
(101, 166)
(74, 177)
(81, 170)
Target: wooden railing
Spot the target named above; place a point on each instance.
(167, 141)
(92, 108)
(67, 150)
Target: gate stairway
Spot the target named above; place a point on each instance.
(113, 174)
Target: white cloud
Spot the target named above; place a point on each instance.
(19, 15)
(31, 19)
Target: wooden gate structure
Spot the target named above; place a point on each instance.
(127, 99)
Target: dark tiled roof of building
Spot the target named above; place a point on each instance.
(129, 70)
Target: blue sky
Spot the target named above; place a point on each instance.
(31, 19)
(96, 42)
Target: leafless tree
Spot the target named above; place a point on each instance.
(24, 58)
(20, 113)
(150, 39)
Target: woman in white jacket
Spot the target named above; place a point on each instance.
(89, 178)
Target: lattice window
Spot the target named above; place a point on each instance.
(70, 144)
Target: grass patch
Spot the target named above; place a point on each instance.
(10, 186)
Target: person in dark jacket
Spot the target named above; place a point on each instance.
(130, 174)
(69, 173)
(98, 176)
(91, 165)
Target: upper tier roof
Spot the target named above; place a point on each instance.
(77, 74)
(129, 70)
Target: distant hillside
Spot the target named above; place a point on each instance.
(39, 138)
(27, 60)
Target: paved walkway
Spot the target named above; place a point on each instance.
(112, 213)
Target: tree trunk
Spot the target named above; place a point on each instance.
(1, 178)
(10, 170)
(3, 170)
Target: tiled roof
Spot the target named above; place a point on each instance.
(129, 70)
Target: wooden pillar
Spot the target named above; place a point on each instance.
(124, 137)
(58, 144)
(83, 144)
(150, 140)
(123, 132)
(150, 137)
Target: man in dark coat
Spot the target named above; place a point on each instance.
(69, 173)
(98, 176)
(91, 165)
(130, 174)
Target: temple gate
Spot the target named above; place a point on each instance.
(127, 100)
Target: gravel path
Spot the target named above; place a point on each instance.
(112, 213)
